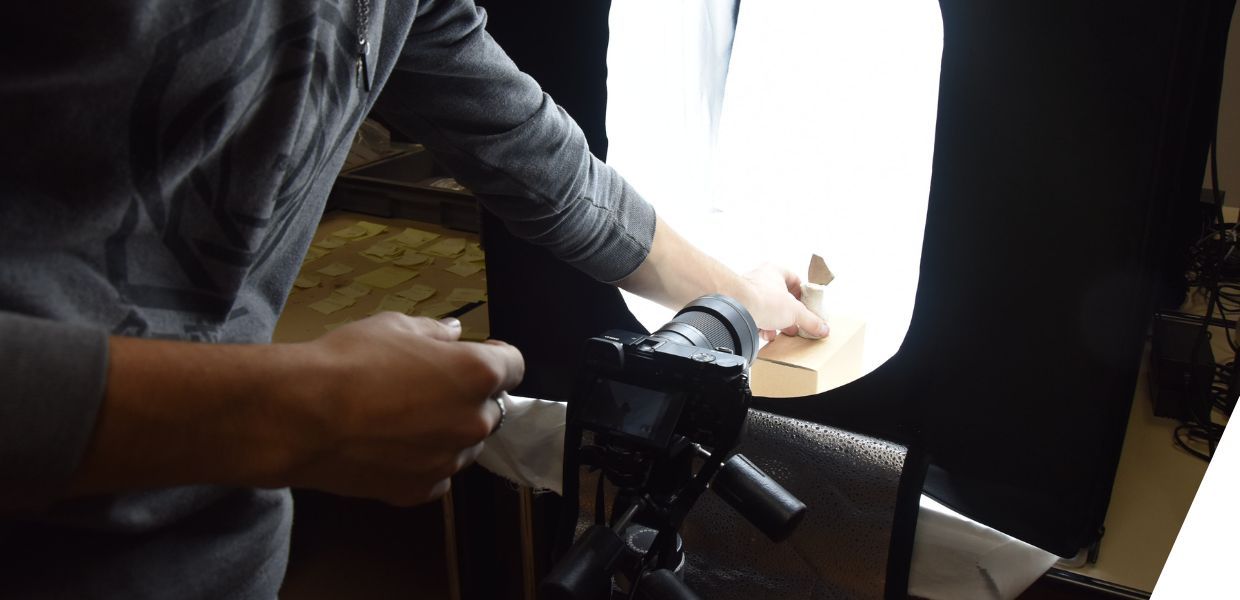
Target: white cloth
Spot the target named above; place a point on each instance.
(953, 556)
(956, 557)
(529, 448)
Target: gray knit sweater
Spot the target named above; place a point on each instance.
(162, 168)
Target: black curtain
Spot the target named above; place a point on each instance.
(1069, 135)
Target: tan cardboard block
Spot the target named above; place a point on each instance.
(792, 366)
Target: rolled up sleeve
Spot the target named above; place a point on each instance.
(455, 90)
(52, 381)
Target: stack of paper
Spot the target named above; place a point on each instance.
(383, 252)
(412, 238)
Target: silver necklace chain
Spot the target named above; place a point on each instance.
(363, 68)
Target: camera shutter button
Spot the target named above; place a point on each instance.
(703, 357)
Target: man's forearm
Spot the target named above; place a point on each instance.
(179, 413)
(388, 407)
(675, 272)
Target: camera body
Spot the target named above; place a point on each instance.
(659, 417)
(641, 392)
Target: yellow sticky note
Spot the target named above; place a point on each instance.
(386, 277)
(467, 295)
(353, 290)
(361, 230)
(464, 269)
(342, 299)
(351, 232)
(445, 183)
(417, 293)
(335, 269)
(330, 242)
(313, 254)
(372, 228)
(411, 259)
(327, 306)
(446, 247)
(412, 238)
(395, 303)
(384, 250)
(435, 310)
(473, 253)
(306, 281)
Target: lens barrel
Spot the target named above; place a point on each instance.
(714, 322)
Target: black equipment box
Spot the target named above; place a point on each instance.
(1177, 381)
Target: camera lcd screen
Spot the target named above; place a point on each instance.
(633, 410)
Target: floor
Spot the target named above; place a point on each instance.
(349, 548)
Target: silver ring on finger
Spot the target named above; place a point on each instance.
(503, 412)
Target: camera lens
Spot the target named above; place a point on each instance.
(714, 322)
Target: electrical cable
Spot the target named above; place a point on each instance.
(1207, 259)
(1217, 193)
(1186, 433)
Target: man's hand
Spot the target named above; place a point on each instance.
(388, 407)
(774, 301)
(676, 272)
(411, 406)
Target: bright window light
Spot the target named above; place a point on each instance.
(821, 141)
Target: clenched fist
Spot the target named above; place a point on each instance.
(405, 405)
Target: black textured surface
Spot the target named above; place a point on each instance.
(850, 485)
(856, 518)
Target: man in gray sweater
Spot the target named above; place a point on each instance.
(164, 167)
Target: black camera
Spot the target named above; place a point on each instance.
(659, 417)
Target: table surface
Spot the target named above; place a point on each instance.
(299, 322)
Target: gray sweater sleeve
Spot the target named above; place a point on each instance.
(52, 383)
(497, 132)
